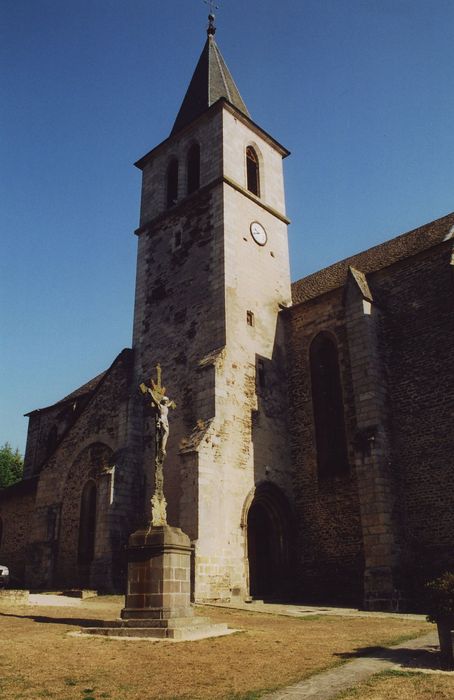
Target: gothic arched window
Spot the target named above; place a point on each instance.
(252, 171)
(328, 407)
(193, 168)
(87, 524)
(172, 183)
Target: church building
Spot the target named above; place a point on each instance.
(310, 454)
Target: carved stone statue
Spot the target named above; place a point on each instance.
(163, 423)
(160, 404)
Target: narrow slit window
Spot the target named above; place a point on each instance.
(193, 168)
(250, 318)
(252, 171)
(172, 183)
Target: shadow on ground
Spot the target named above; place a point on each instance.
(73, 621)
(406, 657)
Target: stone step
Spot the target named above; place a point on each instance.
(82, 593)
(190, 632)
(156, 623)
(14, 596)
(201, 631)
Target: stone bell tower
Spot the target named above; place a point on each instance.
(212, 275)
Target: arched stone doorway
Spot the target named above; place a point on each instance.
(270, 544)
(85, 529)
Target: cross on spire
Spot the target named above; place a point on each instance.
(210, 82)
(211, 6)
(211, 17)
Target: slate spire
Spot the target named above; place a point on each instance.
(211, 81)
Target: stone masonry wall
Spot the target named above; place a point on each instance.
(179, 312)
(16, 516)
(39, 428)
(52, 555)
(204, 287)
(179, 323)
(416, 297)
(250, 427)
(330, 552)
(47, 427)
(377, 488)
(407, 527)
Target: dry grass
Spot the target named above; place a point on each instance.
(401, 685)
(39, 660)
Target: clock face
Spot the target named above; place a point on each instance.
(258, 233)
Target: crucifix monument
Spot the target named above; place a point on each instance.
(158, 597)
(161, 405)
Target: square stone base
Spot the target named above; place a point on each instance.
(177, 629)
(158, 575)
(158, 598)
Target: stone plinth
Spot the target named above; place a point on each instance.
(177, 629)
(159, 561)
(158, 597)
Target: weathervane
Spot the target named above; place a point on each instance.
(211, 6)
(160, 404)
(211, 17)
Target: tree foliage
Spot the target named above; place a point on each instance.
(440, 598)
(11, 465)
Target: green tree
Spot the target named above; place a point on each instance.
(11, 465)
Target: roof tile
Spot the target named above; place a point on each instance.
(374, 259)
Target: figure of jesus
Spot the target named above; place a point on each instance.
(160, 404)
(162, 424)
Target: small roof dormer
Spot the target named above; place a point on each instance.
(210, 82)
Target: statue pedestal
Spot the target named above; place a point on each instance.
(159, 567)
(159, 587)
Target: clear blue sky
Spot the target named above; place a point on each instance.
(360, 91)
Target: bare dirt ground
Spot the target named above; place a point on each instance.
(400, 685)
(39, 659)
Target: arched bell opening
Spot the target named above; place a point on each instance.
(270, 544)
(252, 171)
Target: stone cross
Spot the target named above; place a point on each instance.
(160, 404)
